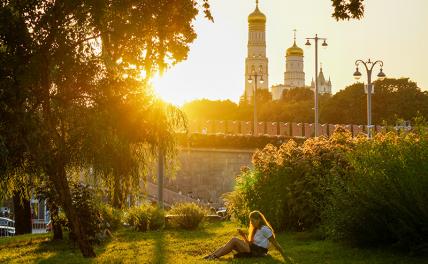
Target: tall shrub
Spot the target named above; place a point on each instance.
(187, 215)
(88, 211)
(384, 199)
(290, 184)
(111, 216)
(145, 217)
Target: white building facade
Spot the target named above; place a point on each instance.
(294, 75)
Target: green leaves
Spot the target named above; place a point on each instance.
(145, 217)
(368, 192)
(186, 215)
(291, 184)
(347, 9)
(392, 99)
(382, 201)
(68, 102)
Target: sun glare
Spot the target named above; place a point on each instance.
(166, 89)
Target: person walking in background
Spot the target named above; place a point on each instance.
(256, 244)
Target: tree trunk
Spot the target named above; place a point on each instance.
(55, 221)
(117, 191)
(58, 177)
(56, 165)
(131, 200)
(22, 210)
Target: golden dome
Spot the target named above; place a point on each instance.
(257, 16)
(294, 51)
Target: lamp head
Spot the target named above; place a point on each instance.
(324, 44)
(261, 80)
(381, 76)
(357, 74)
(250, 80)
(308, 43)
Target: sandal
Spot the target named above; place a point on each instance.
(210, 257)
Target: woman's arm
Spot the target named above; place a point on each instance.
(273, 241)
(243, 235)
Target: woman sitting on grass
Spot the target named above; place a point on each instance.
(260, 233)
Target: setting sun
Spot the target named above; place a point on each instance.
(165, 88)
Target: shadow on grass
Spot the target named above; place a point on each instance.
(159, 249)
(190, 234)
(262, 260)
(206, 230)
(65, 251)
(162, 249)
(30, 247)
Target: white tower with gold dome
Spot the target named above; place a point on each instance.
(294, 76)
(256, 57)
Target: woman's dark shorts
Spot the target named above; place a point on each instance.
(255, 251)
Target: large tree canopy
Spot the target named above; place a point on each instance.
(393, 99)
(68, 64)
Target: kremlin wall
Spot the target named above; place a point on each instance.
(205, 174)
(305, 130)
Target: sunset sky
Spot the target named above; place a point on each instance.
(393, 31)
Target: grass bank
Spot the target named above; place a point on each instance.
(176, 246)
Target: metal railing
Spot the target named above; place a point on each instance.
(7, 228)
(39, 226)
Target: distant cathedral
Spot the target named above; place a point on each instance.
(324, 87)
(256, 62)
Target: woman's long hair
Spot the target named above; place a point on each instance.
(252, 229)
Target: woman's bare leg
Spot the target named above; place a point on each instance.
(233, 244)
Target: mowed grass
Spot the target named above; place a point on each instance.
(180, 246)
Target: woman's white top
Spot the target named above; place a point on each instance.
(261, 237)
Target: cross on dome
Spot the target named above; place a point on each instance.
(294, 50)
(257, 17)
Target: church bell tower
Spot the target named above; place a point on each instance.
(256, 57)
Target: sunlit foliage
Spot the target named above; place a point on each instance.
(79, 70)
(369, 192)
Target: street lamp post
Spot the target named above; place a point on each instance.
(324, 45)
(254, 74)
(161, 170)
(369, 65)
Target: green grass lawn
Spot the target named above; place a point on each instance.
(179, 246)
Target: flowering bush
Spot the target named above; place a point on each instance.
(290, 184)
(369, 192)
